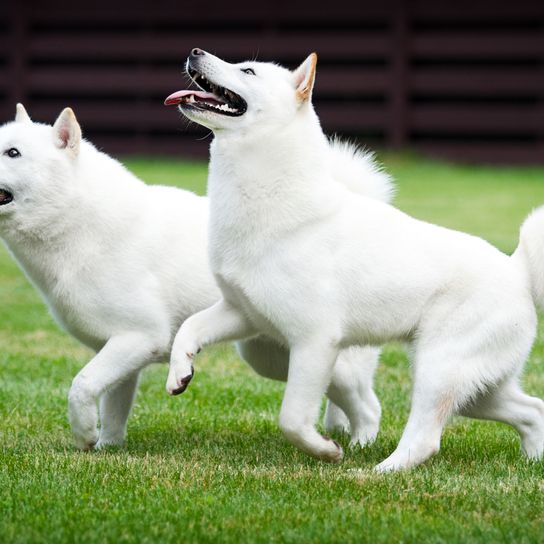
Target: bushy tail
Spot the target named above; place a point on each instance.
(531, 250)
(358, 170)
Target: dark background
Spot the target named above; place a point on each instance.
(458, 79)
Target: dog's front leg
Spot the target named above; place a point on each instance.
(116, 363)
(221, 322)
(310, 371)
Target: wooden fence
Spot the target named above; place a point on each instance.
(463, 79)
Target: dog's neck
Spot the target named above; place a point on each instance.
(265, 182)
(275, 149)
(272, 165)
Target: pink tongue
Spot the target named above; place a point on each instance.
(175, 98)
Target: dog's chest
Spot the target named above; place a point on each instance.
(73, 302)
(263, 286)
(236, 273)
(245, 297)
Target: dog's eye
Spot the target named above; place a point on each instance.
(248, 71)
(12, 153)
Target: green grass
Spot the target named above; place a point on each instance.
(211, 466)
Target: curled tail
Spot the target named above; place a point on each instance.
(531, 251)
(358, 170)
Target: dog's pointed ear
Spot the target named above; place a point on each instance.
(305, 77)
(67, 132)
(21, 116)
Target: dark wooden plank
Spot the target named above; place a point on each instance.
(176, 46)
(352, 117)
(5, 80)
(271, 11)
(454, 118)
(476, 10)
(147, 115)
(340, 81)
(5, 43)
(181, 146)
(398, 96)
(474, 44)
(7, 110)
(115, 116)
(17, 60)
(493, 153)
(349, 81)
(97, 81)
(480, 81)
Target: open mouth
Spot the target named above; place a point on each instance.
(5, 197)
(212, 97)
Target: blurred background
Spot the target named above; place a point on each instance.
(455, 79)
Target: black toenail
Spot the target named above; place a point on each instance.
(184, 383)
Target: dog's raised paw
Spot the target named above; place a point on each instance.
(182, 383)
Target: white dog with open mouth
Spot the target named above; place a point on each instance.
(303, 260)
(121, 265)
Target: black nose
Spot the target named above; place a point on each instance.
(196, 52)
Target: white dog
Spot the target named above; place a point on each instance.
(303, 260)
(121, 265)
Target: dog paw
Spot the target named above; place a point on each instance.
(394, 463)
(86, 443)
(110, 441)
(181, 384)
(363, 439)
(105, 443)
(533, 450)
(333, 453)
(336, 422)
(176, 385)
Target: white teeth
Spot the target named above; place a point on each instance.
(223, 107)
(220, 92)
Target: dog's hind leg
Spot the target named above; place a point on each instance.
(431, 408)
(335, 420)
(507, 403)
(352, 398)
(115, 406)
(267, 357)
(117, 361)
(443, 381)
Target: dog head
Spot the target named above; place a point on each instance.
(238, 96)
(36, 161)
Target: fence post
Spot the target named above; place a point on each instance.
(17, 70)
(540, 134)
(397, 136)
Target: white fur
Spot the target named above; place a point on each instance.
(358, 170)
(531, 251)
(302, 259)
(121, 265)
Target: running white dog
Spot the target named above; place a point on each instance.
(303, 260)
(121, 266)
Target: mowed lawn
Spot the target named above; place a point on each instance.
(212, 466)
